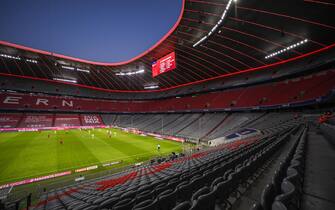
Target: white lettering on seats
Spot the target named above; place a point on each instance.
(42, 101)
(66, 103)
(12, 100)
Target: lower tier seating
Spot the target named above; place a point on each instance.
(304, 177)
(191, 182)
(219, 178)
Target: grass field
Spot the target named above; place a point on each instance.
(32, 154)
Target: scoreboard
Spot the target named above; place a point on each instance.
(164, 64)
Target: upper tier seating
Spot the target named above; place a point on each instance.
(293, 91)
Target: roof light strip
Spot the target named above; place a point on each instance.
(216, 25)
(83, 70)
(68, 67)
(130, 73)
(287, 49)
(65, 80)
(31, 61)
(17, 58)
(151, 87)
(9, 56)
(73, 69)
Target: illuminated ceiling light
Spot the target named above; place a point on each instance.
(151, 87)
(67, 67)
(287, 48)
(129, 73)
(65, 80)
(201, 40)
(83, 70)
(31, 61)
(216, 25)
(10, 56)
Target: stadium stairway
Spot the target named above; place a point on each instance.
(215, 127)
(189, 123)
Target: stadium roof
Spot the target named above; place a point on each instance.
(252, 35)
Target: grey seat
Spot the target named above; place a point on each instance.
(125, 204)
(167, 199)
(204, 201)
(109, 203)
(146, 205)
(183, 206)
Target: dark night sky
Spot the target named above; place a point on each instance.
(99, 30)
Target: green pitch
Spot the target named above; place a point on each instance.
(32, 154)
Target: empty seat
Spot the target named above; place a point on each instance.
(183, 206)
(109, 203)
(129, 194)
(203, 199)
(146, 195)
(167, 200)
(184, 192)
(125, 204)
(146, 205)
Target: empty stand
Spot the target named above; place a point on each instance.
(298, 91)
(194, 182)
(304, 177)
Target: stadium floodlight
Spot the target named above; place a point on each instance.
(68, 67)
(83, 70)
(10, 56)
(31, 61)
(129, 73)
(65, 80)
(151, 87)
(216, 26)
(287, 48)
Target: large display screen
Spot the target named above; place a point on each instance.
(164, 64)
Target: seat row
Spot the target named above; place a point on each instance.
(71, 196)
(235, 176)
(286, 184)
(148, 188)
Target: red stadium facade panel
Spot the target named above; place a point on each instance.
(164, 64)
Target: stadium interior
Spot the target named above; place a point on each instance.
(231, 110)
